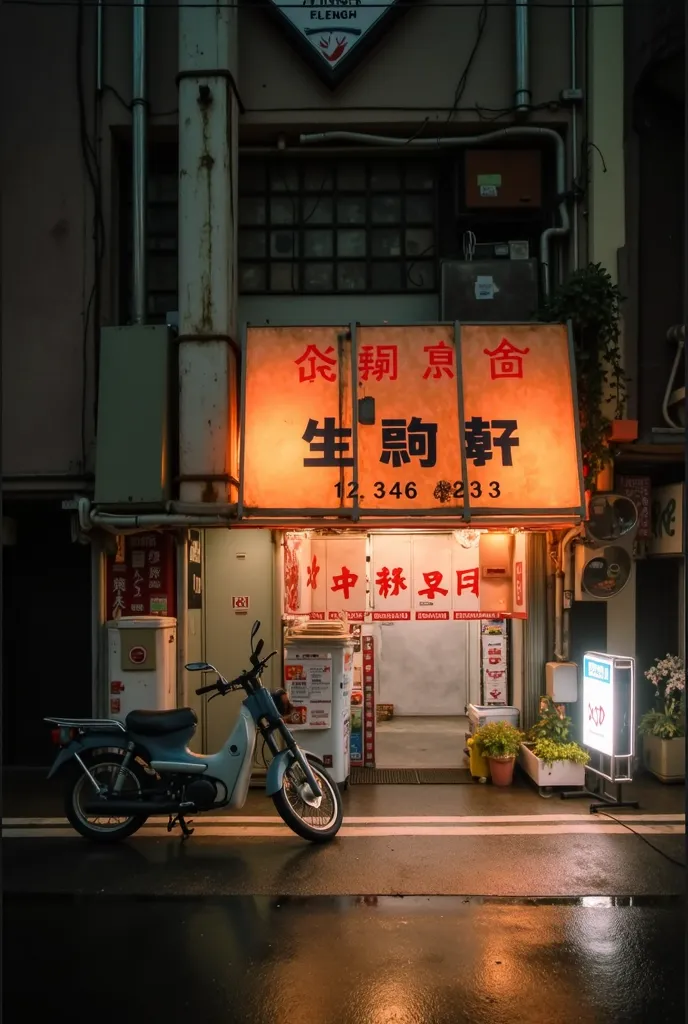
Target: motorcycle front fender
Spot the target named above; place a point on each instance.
(96, 741)
(279, 765)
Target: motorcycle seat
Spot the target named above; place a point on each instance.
(160, 723)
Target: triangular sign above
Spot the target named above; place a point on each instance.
(334, 35)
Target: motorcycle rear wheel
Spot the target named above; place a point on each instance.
(316, 825)
(104, 766)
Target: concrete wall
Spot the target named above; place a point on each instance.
(49, 361)
(415, 69)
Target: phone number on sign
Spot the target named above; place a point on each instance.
(443, 492)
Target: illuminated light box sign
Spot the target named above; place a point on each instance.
(409, 577)
(598, 703)
(468, 421)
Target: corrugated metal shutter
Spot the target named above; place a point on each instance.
(535, 631)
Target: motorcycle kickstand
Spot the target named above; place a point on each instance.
(180, 820)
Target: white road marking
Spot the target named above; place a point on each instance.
(583, 827)
(388, 819)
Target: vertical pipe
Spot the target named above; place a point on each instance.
(522, 95)
(99, 707)
(139, 125)
(182, 553)
(99, 47)
(574, 129)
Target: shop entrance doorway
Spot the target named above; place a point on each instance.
(422, 679)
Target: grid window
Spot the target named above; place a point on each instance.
(337, 226)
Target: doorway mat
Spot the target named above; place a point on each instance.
(410, 776)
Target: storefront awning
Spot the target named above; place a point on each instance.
(472, 423)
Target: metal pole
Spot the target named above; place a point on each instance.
(574, 130)
(99, 47)
(522, 96)
(139, 125)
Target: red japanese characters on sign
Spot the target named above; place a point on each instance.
(463, 574)
(514, 450)
(143, 583)
(377, 361)
(368, 646)
(390, 583)
(506, 360)
(440, 361)
(313, 362)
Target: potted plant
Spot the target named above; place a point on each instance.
(499, 742)
(591, 301)
(663, 728)
(549, 756)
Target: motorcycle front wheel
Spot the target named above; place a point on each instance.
(104, 766)
(295, 805)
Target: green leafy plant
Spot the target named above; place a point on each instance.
(667, 719)
(592, 302)
(658, 723)
(498, 740)
(550, 751)
(551, 725)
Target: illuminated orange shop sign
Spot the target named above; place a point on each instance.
(467, 420)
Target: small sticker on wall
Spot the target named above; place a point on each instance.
(489, 191)
(485, 287)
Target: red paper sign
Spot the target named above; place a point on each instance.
(143, 583)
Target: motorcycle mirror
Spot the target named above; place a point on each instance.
(259, 648)
(256, 627)
(199, 666)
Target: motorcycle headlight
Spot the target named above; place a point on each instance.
(282, 702)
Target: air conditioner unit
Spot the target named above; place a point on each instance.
(605, 562)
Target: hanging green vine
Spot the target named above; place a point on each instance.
(591, 301)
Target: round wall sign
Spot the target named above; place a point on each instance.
(137, 655)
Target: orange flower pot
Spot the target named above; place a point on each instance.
(502, 770)
(623, 431)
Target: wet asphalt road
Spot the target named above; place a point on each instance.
(511, 927)
(343, 960)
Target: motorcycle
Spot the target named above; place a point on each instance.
(118, 775)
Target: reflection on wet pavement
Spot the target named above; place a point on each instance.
(348, 960)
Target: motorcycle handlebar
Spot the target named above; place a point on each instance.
(205, 689)
(221, 687)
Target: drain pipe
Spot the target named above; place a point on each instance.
(563, 582)
(574, 127)
(522, 97)
(525, 132)
(139, 131)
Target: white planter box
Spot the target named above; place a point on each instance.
(561, 773)
(666, 759)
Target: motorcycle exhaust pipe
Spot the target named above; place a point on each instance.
(129, 808)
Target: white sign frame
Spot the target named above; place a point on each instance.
(599, 692)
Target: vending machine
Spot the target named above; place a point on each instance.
(318, 676)
(142, 664)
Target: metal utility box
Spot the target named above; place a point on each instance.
(132, 451)
(501, 291)
(503, 179)
(142, 664)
